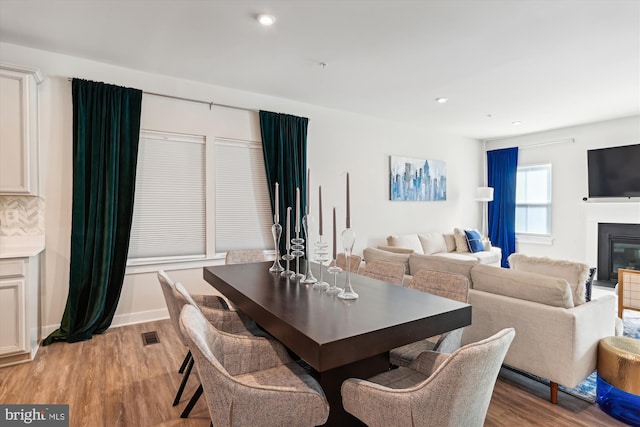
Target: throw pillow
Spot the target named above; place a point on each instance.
(461, 240)
(450, 240)
(409, 241)
(474, 240)
(589, 283)
(432, 243)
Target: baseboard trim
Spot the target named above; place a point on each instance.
(123, 319)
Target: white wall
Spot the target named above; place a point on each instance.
(337, 142)
(574, 221)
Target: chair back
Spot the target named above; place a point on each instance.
(628, 290)
(387, 271)
(173, 306)
(341, 261)
(444, 284)
(243, 256)
(459, 391)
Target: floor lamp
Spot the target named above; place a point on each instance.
(484, 195)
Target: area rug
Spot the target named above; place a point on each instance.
(586, 390)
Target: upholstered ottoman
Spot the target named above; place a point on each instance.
(618, 382)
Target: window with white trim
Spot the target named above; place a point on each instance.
(243, 207)
(169, 215)
(533, 200)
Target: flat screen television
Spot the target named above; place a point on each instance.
(614, 171)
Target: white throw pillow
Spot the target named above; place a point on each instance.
(432, 243)
(409, 241)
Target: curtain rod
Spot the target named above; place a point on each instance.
(541, 144)
(197, 101)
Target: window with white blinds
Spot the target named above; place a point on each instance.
(169, 215)
(243, 208)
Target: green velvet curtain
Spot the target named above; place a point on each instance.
(106, 131)
(284, 145)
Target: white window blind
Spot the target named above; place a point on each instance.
(243, 208)
(533, 200)
(169, 218)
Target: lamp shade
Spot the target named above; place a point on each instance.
(484, 194)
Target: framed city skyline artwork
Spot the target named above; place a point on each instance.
(417, 179)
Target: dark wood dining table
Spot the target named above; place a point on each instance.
(337, 338)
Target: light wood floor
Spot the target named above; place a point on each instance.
(113, 380)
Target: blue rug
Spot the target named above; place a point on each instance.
(586, 390)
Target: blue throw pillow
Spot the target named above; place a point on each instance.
(474, 240)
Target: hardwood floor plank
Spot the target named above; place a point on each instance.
(114, 380)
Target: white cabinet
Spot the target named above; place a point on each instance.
(19, 326)
(18, 129)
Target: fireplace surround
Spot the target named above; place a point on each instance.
(618, 247)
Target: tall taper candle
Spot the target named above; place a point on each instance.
(277, 207)
(297, 219)
(335, 244)
(288, 228)
(348, 204)
(307, 208)
(320, 210)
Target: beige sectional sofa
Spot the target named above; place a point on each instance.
(557, 331)
(411, 249)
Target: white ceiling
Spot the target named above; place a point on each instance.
(548, 64)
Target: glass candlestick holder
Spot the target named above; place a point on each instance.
(348, 240)
(287, 257)
(297, 250)
(322, 256)
(276, 232)
(307, 225)
(334, 270)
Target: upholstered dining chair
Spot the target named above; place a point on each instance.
(444, 284)
(354, 266)
(437, 389)
(392, 272)
(234, 321)
(263, 387)
(243, 256)
(628, 290)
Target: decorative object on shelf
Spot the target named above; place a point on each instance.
(417, 179)
(348, 240)
(333, 267)
(287, 256)
(484, 195)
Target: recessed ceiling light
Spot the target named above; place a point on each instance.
(266, 20)
(441, 100)
(516, 123)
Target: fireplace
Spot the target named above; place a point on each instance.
(618, 247)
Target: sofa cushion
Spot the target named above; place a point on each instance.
(371, 254)
(575, 273)
(432, 243)
(527, 286)
(492, 256)
(474, 240)
(447, 262)
(450, 240)
(409, 241)
(461, 240)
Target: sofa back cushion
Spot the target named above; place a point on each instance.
(419, 262)
(432, 243)
(533, 287)
(409, 241)
(575, 273)
(371, 254)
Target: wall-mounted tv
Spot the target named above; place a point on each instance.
(614, 171)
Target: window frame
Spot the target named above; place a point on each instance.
(530, 237)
